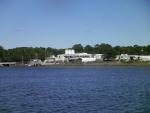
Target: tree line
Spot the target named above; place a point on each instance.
(25, 54)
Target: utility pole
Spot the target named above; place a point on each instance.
(142, 51)
(45, 52)
(22, 60)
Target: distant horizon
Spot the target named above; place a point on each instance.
(72, 45)
(63, 23)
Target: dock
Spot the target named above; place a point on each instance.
(7, 63)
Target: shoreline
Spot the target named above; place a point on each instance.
(147, 64)
(101, 64)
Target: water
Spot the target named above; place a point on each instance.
(102, 89)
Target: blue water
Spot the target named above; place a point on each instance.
(101, 89)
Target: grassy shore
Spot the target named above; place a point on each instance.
(106, 63)
(102, 63)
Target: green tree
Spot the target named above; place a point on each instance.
(138, 49)
(105, 49)
(77, 48)
(117, 50)
(146, 50)
(88, 49)
(1, 53)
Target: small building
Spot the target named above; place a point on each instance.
(99, 57)
(127, 57)
(60, 58)
(7, 64)
(144, 57)
(88, 59)
(69, 52)
(134, 57)
(124, 57)
(49, 61)
(35, 62)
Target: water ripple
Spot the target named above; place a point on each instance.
(75, 90)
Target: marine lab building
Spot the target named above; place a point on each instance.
(71, 56)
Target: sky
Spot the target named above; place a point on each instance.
(62, 23)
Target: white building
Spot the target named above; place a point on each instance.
(99, 56)
(88, 59)
(134, 57)
(144, 57)
(69, 52)
(124, 57)
(35, 62)
(84, 57)
(49, 60)
(127, 57)
(61, 58)
(70, 55)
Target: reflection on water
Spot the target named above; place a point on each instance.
(75, 90)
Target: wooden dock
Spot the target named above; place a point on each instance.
(7, 63)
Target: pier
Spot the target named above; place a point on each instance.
(7, 63)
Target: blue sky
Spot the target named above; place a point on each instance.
(62, 23)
